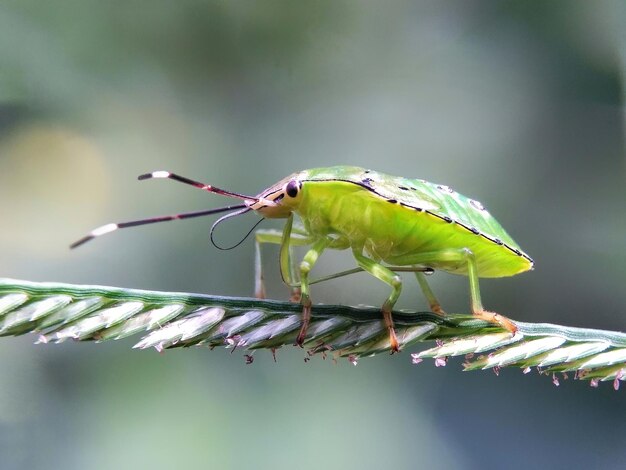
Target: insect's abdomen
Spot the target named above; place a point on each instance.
(389, 229)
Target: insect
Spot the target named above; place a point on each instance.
(390, 224)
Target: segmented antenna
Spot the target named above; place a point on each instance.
(206, 187)
(240, 208)
(108, 228)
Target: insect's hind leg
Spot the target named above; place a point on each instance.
(456, 257)
(388, 277)
(434, 304)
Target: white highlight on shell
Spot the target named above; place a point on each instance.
(161, 174)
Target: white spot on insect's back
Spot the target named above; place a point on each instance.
(161, 174)
(477, 205)
(108, 228)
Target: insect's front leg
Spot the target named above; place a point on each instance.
(296, 237)
(262, 237)
(455, 257)
(309, 260)
(389, 277)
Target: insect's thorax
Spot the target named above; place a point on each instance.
(346, 211)
(388, 231)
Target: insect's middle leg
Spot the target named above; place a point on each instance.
(388, 277)
(457, 257)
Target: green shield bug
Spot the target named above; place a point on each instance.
(390, 224)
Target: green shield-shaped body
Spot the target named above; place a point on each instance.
(392, 218)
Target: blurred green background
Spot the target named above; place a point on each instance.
(518, 104)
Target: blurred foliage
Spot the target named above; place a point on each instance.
(518, 104)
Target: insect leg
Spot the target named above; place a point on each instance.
(287, 270)
(435, 306)
(347, 272)
(477, 305)
(309, 260)
(455, 257)
(296, 294)
(389, 277)
(259, 281)
(286, 266)
(275, 237)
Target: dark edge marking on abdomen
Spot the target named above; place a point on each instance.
(445, 218)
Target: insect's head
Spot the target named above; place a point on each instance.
(279, 200)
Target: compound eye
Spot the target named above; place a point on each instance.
(292, 188)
